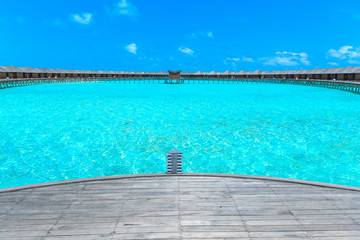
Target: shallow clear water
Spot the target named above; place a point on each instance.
(68, 131)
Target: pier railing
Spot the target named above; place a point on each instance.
(340, 85)
(9, 83)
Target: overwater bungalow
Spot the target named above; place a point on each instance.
(341, 74)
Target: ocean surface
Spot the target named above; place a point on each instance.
(69, 131)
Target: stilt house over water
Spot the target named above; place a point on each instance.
(342, 74)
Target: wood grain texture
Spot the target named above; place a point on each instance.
(180, 207)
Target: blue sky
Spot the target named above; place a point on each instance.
(191, 35)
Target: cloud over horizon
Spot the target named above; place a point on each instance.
(280, 59)
(186, 50)
(84, 18)
(201, 34)
(131, 48)
(348, 53)
(286, 59)
(126, 8)
(234, 61)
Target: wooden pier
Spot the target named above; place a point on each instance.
(353, 87)
(10, 83)
(187, 206)
(174, 81)
(174, 78)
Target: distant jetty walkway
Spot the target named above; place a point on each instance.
(186, 206)
(353, 87)
(346, 79)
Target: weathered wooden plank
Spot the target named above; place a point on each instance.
(186, 207)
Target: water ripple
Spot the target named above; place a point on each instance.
(58, 132)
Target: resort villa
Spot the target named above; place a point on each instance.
(85, 158)
(341, 74)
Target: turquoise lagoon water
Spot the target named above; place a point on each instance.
(69, 131)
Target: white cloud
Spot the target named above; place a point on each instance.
(247, 59)
(231, 61)
(333, 63)
(280, 58)
(84, 18)
(201, 34)
(131, 48)
(351, 61)
(125, 7)
(151, 59)
(287, 59)
(346, 53)
(234, 61)
(187, 51)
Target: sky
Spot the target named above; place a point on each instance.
(187, 35)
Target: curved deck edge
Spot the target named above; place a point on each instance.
(117, 177)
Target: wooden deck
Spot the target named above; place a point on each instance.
(180, 207)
